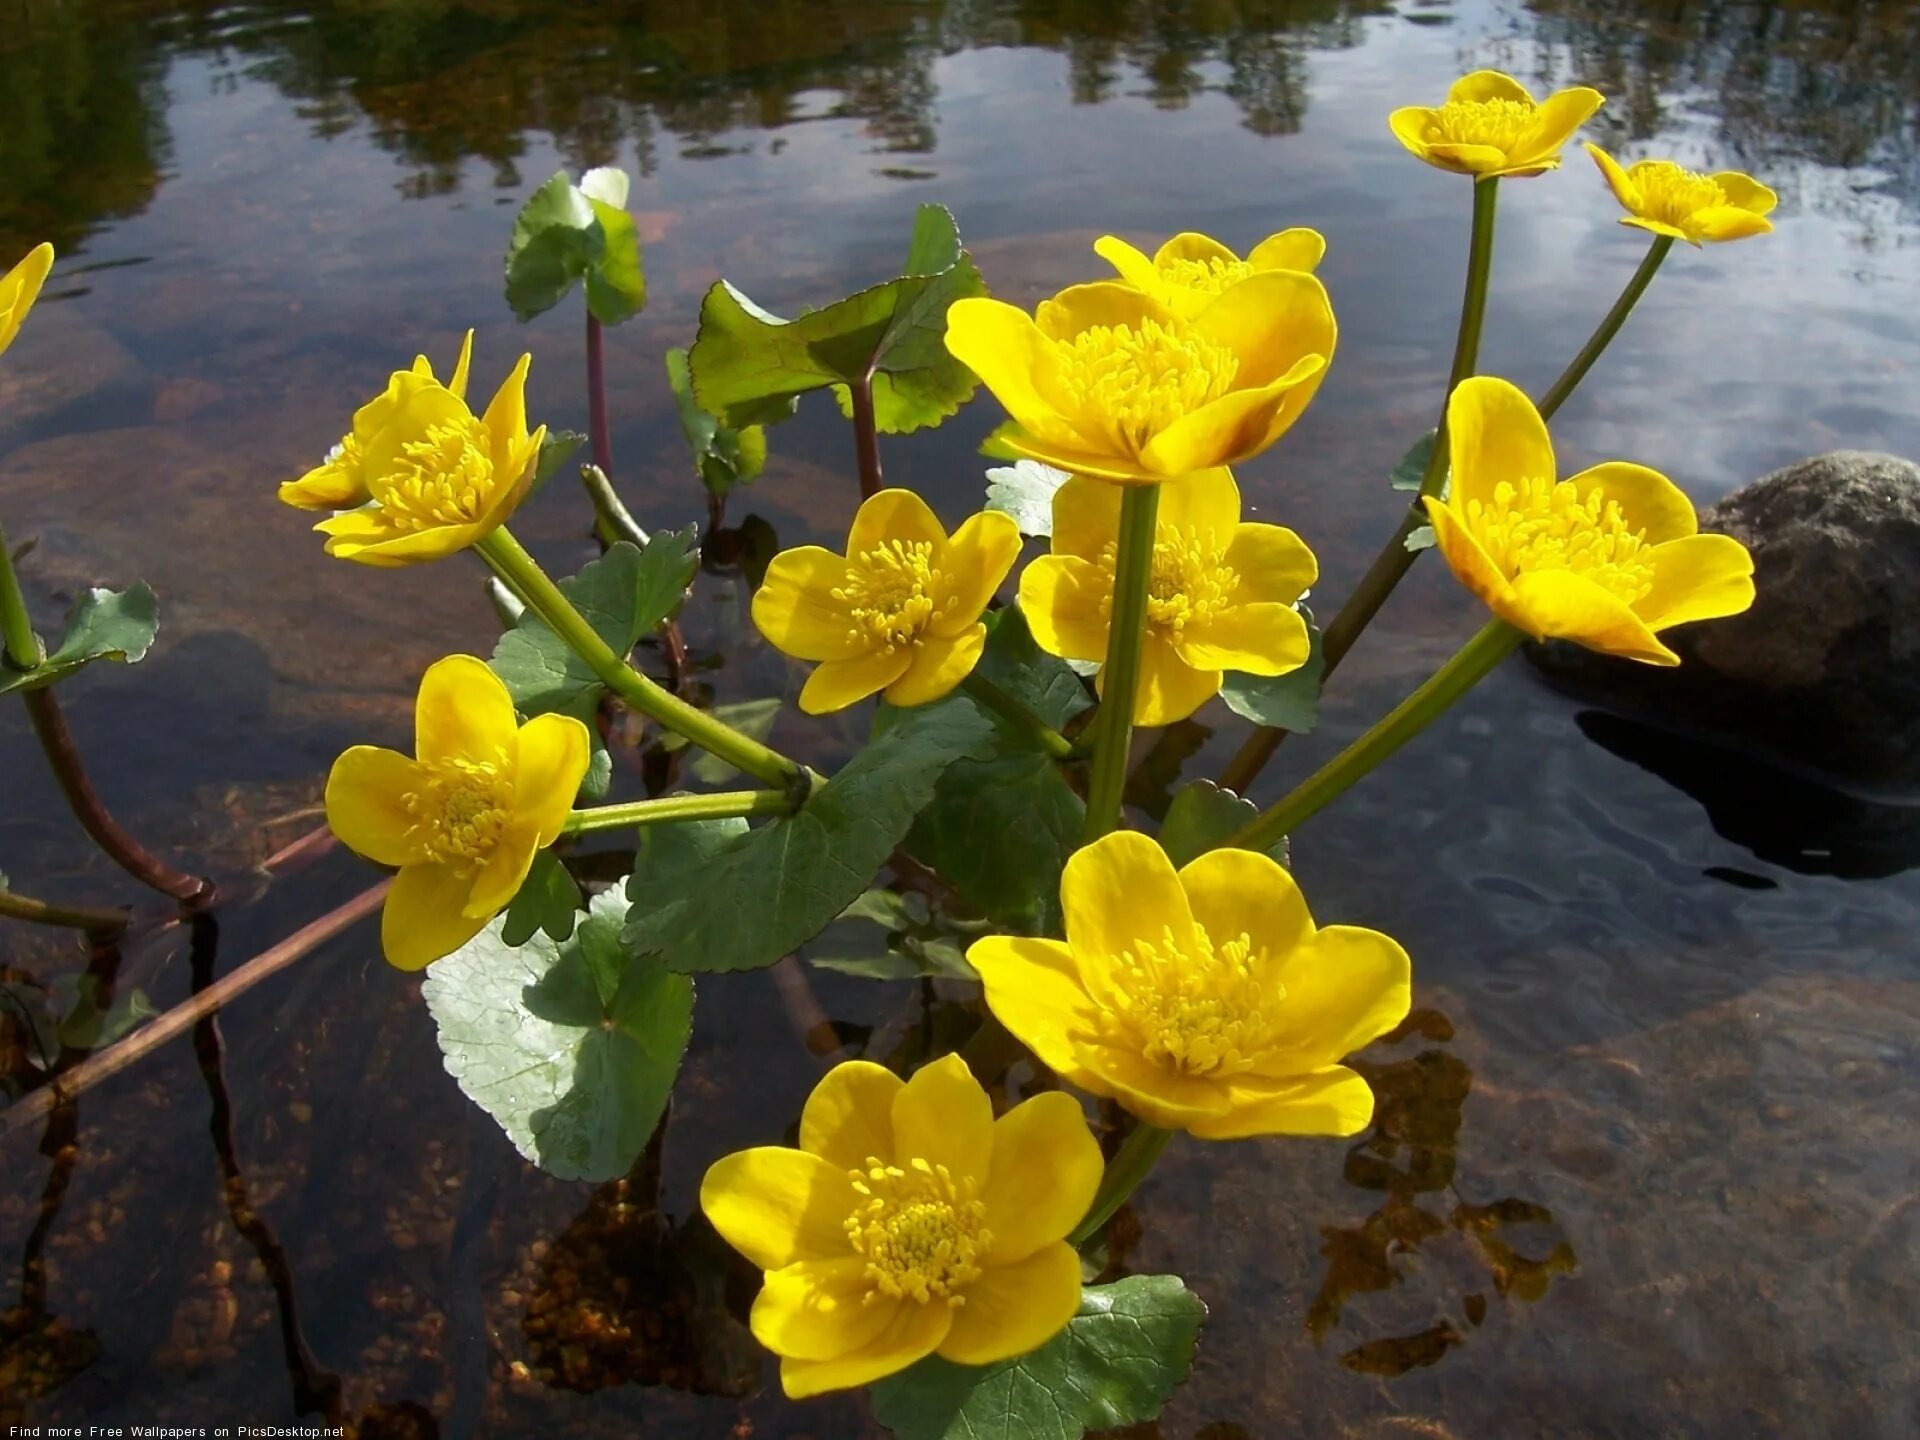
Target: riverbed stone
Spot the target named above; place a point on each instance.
(1824, 670)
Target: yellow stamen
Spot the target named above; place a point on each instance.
(444, 478)
(1541, 525)
(920, 1230)
(1134, 383)
(462, 809)
(1501, 124)
(1211, 275)
(1193, 1006)
(1672, 194)
(893, 594)
(1190, 583)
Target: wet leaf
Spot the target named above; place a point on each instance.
(565, 234)
(1024, 490)
(1411, 468)
(88, 1026)
(546, 902)
(1200, 817)
(1117, 1363)
(752, 718)
(571, 1046)
(1419, 538)
(554, 450)
(749, 367)
(1044, 683)
(1286, 702)
(104, 625)
(1000, 831)
(720, 896)
(724, 457)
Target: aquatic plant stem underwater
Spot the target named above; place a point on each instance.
(99, 924)
(1120, 677)
(1124, 1172)
(724, 805)
(510, 561)
(1470, 664)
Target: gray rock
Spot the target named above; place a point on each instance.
(1824, 670)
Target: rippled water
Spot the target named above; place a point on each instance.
(1645, 1162)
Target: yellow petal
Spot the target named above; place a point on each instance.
(1618, 180)
(1494, 435)
(972, 566)
(1071, 457)
(1345, 988)
(554, 752)
(943, 1117)
(1561, 605)
(892, 515)
(848, 1119)
(817, 1310)
(1658, 227)
(1334, 1101)
(367, 792)
(795, 609)
(1648, 500)
(1295, 249)
(1746, 193)
(1116, 892)
(1001, 344)
(1198, 504)
(463, 712)
(506, 417)
(334, 484)
(1462, 159)
(425, 917)
(1273, 564)
(1012, 1309)
(462, 367)
(1409, 125)
(20, 287)
(492, 887)
(1700, 577)
(1079, 308)
(1726, 222)
(1160, 1097)
(1241, 892)
(935, 665)
(776, 1205)
(912, 1333)
(1192, 245)
(1264, 638)
(1046, 1167)
(1482, 85)
(367, 537)
(420, 406)
(1237, 426)
(1271, 321)
(1170, 688)
(1469, 561)
(1062, 598)
(836, 684)
(1559, 115)
(1086, 517)
(1033, 987)
(1132, 265)
(514, 467)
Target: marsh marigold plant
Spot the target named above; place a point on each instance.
(1190, 270)
(19, 288)
(1105, 380)
(1491, 126)
(909, 1222)
(899, 613)
(1221, 597)
(1203, 999)
(1671, 200)
(464, 816)
(1607, 558)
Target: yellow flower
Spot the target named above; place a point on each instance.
(909, 1222)
(1221, 596)
(464, 819)
(339, 482)
(1187, 272)
(19, 288)
(1491, 126)
(1105, 380)
(900, 612)
(1202, 1000)
(1606, 558)
(439, 476)
(1669, 200)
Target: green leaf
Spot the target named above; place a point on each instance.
(86, 1025)
(722, 456)
(1420, 538)
(546, 902)
(741, 899)
(1200, 817)
(572, 1047)
(1117, 1363)
(1286, 702)
(1044, 683)
(750, 366)
(752, 718)
(104, 625)
(554, 450)
(999, 832)
(1411, 468)
(1024, 490)
(565, 234)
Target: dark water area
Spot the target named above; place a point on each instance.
(1646, 1161)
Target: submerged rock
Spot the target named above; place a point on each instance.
(1824, 670)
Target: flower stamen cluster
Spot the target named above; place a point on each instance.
(921, 1231)
(444, 477)
(1194, 1007)
(461, 809)
(1498, 122)
(1140, 379)
(1211, 275)
(1673, 194)
(891, 594)
(1542, 525)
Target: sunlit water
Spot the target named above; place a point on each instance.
(1645, 1164)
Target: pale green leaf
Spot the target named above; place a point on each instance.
(722, 456)
(104, 625)
(1025, 491)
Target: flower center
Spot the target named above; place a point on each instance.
(1192, 1006)
(1211, 275)
(1546, 526)
(891, 596)
(1189, 583)
(919, 1230)
(1134, 383)
(461, 810)
(443, 477)
(1498, 123)
(1672, 194)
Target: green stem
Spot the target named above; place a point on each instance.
(1018, 716)
(73, 917)
(1608, 328)
(1124, 1173)
(510, 561)
(616, 521)
(725, 805)
(1120, 678)
(1469, 665)
(22, 647)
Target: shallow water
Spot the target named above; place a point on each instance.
(1646, 1159)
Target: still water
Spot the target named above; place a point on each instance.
(1645, 1163)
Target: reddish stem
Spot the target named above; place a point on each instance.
(597, 426)
(866, 436)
